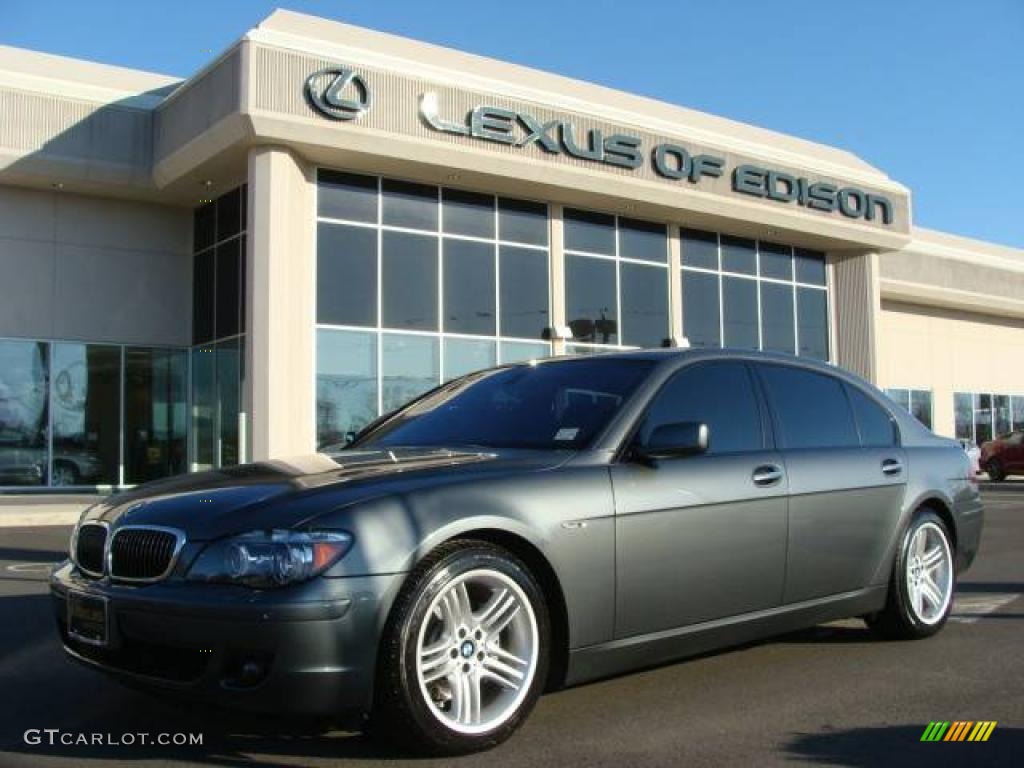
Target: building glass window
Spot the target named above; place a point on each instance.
(417, 285)
(983, 416)
(85, 398)
(24, 413)
(89, 415)
(616, 281)
(155, 414)
(218, 327)
(917, 401)
(752, 294)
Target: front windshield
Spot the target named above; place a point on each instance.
(550, 405)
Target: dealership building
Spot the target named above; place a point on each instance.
(326, 221)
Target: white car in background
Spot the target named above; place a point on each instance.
(973, 453)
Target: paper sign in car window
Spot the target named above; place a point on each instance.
(566, 434)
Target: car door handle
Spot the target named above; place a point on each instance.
(767, 474)
(892, 467)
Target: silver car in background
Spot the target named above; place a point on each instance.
(524, 528)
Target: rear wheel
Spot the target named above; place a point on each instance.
(922, 584)
(465, 654)
(996, 472)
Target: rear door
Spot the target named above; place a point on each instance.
(701, 537)
(847, 478)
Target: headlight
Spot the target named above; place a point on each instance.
(264, 559)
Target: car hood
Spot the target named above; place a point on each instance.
(291, 492)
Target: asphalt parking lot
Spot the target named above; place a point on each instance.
(832, 695)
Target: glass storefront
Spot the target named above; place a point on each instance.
(416, 285)
(753, 294)
(218, 331)
(917, 401)
(84, 415)
(983, 416)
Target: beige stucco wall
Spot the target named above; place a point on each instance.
(91, 268)
(949, 351)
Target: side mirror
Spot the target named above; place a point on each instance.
(683, 438)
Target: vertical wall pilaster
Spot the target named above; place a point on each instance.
(281, 304)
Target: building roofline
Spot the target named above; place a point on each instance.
(959, 248)
(40, 72)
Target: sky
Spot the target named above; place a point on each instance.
(930, 91)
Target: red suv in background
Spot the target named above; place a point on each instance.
(1003, 456)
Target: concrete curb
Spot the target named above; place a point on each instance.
(28, 511)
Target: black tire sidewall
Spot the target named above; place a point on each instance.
(907, 615)
(430, 731)
(995, 470)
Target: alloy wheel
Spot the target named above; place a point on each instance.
(477, 651)
(929, 573)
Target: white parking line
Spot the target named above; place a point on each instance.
(967, 609)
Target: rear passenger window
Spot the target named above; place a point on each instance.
(811, 408)
(720, 395)
(877, 428)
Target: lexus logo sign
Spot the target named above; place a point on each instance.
(339, 93)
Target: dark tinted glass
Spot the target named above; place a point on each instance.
(24, 397)
(644, 305)
(524, 292)
(229, 288)
(589, 231)
(810, 266)
(812, 320)
(590, 303)
(243, 262)
(86, 414)
(739, 255)
(700, 309)
(409, 205)
(346, 384)
(718, 394)
(699, 249)
(922, 408)
(877, 429)
(203, 270)
(155, 412)
(346, 278)
(811, 408)
(1000, 409)
(776, 261)
(523, 221)
(777, 325)
(409, 288)
(469, 288)
(559, 404)
(229, 214)
(643, 240)
(982, 418)
(467, 213)
(900, 396)
(962, 405)
(347, 196)
(204, 226)
(229, 379)
(739, 312)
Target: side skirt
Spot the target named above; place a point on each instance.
(617, 656)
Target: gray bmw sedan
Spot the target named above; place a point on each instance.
(523, 528)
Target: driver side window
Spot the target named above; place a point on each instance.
(720, 395)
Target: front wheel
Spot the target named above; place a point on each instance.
(465, 653)
(922, 583)
(995, 470)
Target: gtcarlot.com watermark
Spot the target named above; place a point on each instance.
(56, 737)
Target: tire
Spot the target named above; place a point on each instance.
(995, 470)
(910, 613)
(451, 681)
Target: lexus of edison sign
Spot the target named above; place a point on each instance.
(342, 94)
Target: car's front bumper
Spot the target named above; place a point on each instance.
(308, 649)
